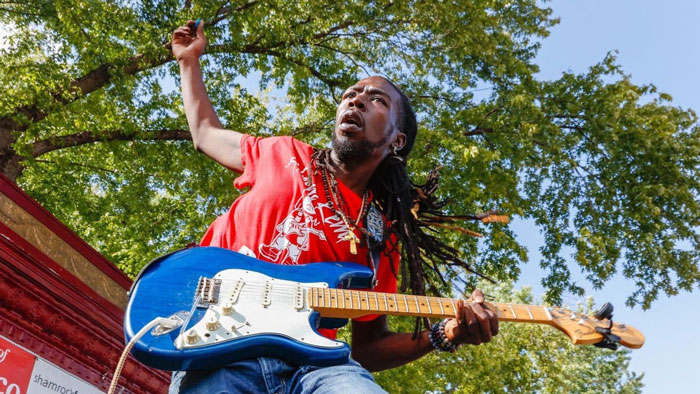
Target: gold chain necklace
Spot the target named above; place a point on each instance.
(337, 204)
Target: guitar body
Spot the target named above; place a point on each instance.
(246, 308)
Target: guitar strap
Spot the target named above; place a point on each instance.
(374, 223)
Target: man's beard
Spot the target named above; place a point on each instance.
(354, 152)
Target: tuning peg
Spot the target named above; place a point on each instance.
(605, 312)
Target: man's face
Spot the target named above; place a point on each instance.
(366, 120)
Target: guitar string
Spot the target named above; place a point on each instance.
(366, 298)
(291, 289)
(353, 293)
(366, 303)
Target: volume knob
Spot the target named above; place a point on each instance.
(192, 336)
(212, 323)
(227, 310)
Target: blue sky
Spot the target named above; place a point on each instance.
(657, 42)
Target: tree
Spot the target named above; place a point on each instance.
(91, 129)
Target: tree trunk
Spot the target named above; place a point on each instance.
(10, 165)
(9, 159)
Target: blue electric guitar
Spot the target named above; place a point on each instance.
(224, 306)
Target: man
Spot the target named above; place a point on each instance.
(306, 205)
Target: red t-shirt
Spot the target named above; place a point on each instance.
(283, 221)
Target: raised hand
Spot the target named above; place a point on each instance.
(187, 45)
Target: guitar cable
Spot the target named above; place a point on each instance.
(166, 322)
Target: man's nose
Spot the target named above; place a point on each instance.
(357, 102)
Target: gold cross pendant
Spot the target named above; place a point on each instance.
(350, 236)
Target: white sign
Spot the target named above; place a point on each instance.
(48, 379)
(45, 378)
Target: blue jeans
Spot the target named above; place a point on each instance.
(274, 376)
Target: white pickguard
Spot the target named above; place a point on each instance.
(254, 314)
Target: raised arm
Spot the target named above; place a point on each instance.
(209, 136)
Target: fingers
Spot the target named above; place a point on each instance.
(483, 314)
(189, 28)
(478, 296)
(476, 324)
(186, 45)
(193, 27)
(467, 325)
(484, 325)
(180, 32)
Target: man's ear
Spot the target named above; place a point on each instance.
(399, 141)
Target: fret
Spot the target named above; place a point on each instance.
(430, 309)
(342, 292)
(350, 297)
(442, 310)
(417, 306)
(549, 315)
(359, 303)
(454, 308)
(376, 301)
(527, 307)
(386, 304)
(405, 302)
(495, 307)
(396, 304)
(336, 298)
(512, 311)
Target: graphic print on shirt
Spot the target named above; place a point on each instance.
(305, 220)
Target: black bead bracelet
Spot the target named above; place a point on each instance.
(439, 340)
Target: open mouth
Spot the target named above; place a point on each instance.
(351, 118)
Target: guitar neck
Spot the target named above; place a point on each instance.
(349, 304)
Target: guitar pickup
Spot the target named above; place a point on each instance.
(298, 297)
(236, 291)
(266, 294)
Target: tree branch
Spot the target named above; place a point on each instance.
(80, 165)
(86, 137)
(102, 75)
(477, 131)
(310, 128)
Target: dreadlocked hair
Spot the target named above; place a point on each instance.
(412, 212)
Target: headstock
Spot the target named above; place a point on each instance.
(598, 329)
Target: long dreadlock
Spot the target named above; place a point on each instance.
(412, 212)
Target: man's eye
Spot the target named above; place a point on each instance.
(349, 95)
(377, 98)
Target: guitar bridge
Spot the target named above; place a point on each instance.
(207, 291)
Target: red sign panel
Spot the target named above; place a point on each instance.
(16, 367)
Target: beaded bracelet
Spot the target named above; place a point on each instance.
(439, 340)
